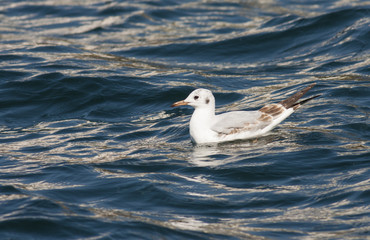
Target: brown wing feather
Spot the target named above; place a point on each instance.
(272, 110)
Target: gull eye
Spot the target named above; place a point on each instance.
(196, 97)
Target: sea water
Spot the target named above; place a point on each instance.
(91, 149)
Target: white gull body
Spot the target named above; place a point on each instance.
(207, 127)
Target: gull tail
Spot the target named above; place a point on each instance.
(291, 102)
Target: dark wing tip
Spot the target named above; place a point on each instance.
(298, 104)
(292, 100)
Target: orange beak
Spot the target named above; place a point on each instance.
(179, 103)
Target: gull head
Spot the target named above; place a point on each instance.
(199, 98)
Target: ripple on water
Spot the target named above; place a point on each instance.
(90, 147)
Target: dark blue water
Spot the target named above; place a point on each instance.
(90, 148)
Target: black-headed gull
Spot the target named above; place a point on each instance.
(207, 127)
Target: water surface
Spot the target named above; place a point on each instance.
(90, 148)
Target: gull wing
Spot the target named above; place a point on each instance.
(237, 121)
(262, 120)
(250, 121)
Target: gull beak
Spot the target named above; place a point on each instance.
(179, 103)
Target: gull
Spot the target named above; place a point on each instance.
(207, 127)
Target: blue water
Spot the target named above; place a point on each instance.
(91, 149)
